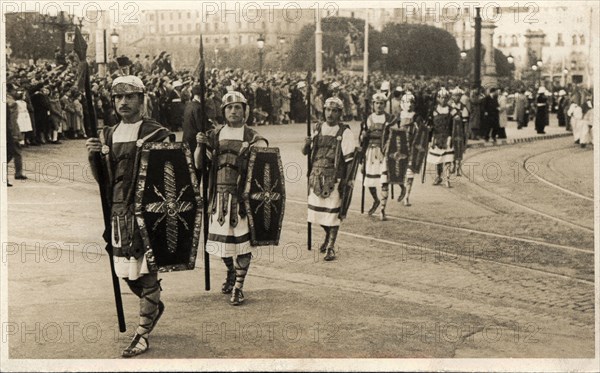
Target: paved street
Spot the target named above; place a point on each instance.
(500, 265)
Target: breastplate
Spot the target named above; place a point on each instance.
(228, 165)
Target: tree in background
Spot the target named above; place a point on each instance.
(28, 39)
(418, 49)
(335, 32)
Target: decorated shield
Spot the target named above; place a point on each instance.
(347, 186)
(419, 147)
(264, 196)
(458, 137)
(168, 206)
(397, 155)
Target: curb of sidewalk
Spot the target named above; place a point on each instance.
(517, 141)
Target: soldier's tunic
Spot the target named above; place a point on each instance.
(128, 247)
(441, 149)
(229, 151)
(407, 123)
(332, 147)
(374, 159)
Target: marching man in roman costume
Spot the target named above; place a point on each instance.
(441, 149)
(375, 166)
(228, 151)
(459, 132)
(408, 122)
(119, 146)
(332, 148)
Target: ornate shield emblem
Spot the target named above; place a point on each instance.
(168, 206)
(458, 138)
(397, 156)
(420, 147)
(264, 196)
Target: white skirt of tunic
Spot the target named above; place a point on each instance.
(130, 268)
(374, 167)
(324, 211)
(224, 240)
(437, 155)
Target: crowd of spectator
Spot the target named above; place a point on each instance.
(50, 101)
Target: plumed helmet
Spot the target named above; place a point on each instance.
(334, 103)
(379, 97)
(127, 84)
(232, 98)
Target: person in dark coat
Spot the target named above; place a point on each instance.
(192, 123)
(562, 104)
(521, 104)
(41, 108)
(541, 112)
(491, 116)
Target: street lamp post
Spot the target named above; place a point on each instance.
(114, 39)
(463, 59)
(539, 64)
(216, 57)
(384, 53)
(260, 43)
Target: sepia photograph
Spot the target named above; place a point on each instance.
(299, 186)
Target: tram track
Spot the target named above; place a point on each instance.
(548, 182)
(523, 206)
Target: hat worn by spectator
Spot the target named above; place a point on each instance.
(123, 61)
(399, 89)
(301, 84)
(127, 84)
(562, 92)
(541, 90)
(385, 86)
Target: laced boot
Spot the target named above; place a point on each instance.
(447, 175)
(330, 251)
(376, 201)
(139, 344)
(438, 177)
(409, 183)
(384, 193)
(230, 279)
(323, 247)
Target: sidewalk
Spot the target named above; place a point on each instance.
(526, 134)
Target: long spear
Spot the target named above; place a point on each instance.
(308, 160)
(365, 143)
(204, 170)
(91, 127)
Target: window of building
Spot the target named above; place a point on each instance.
(514, 41)
(179, 15)
(151, 17)
(189, 15)
(162, 16)
(582, 39)
(225, 40)
(171, 28)
(171, 16)
(179, 27)
(240, 40)
(189, 27)
(500, 41)
(197, 26)
(559, 40)
(574, 37)
(162, 28)
(216, 26)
